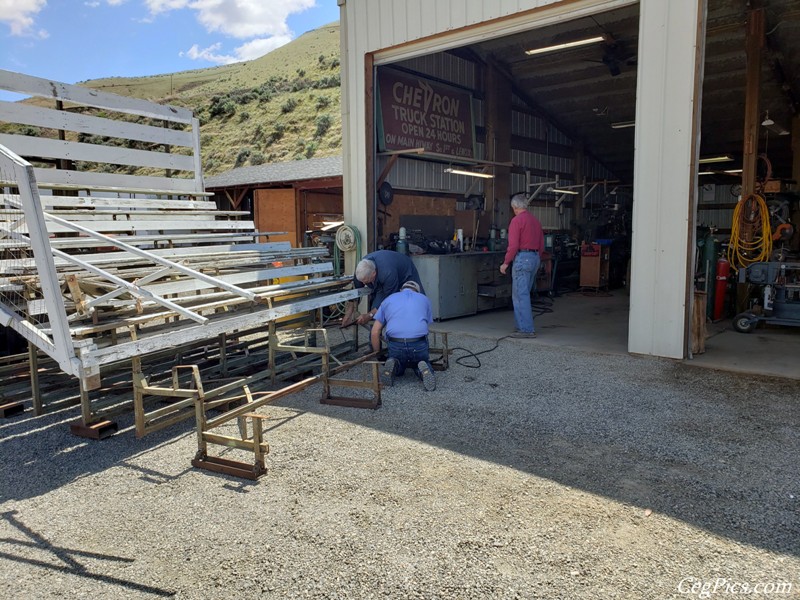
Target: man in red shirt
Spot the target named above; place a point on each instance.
(525, 245)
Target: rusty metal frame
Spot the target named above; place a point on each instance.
(246, 413)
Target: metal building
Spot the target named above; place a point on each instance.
(667, 55)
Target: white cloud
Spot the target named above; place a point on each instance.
(159, 6)
(97, 3)
(241, 19)
(249, 51)
(259, 47)
(18, 15)
(262, 20)
(209, 54)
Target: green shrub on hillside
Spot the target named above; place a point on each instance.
(242, 157)
(328, 82)
(222, 106)
(323, 123)
(289, 105)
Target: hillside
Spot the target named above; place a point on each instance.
(282, 106)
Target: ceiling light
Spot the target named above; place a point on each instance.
(728, 172)
(773, 126)
(469, 173)
(565, 45)
(623, 124)
(560, 191)
(716, 159)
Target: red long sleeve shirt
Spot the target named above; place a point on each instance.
(524, 233)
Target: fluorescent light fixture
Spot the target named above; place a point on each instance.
(715, 159)
(565, 45)
(469, 173)
(623, 124)
(561, 191)
(728, 172)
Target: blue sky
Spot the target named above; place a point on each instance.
(75, 40)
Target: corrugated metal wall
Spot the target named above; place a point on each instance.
(392, 22)
(718, 218)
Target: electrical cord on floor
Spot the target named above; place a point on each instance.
(540, 306)
(474, 355)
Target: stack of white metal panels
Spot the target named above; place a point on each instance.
(110, 249)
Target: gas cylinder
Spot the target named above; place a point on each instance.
(402, 242)
(723, 271)
(709, 245)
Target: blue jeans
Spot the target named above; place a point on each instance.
(408, 354)
(523, 276)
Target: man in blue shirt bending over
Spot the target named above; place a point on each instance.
(383, 272)
(406, 316)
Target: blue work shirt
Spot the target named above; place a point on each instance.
(393, 270)
(405, 314)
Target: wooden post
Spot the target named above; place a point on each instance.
(699, 322)
(86, 406)
(139, 383)
(754, 43)
(272, 342)
(36, 391)
(223, 354)
(497, 88)
(200, 416)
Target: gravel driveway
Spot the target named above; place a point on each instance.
(545, 473)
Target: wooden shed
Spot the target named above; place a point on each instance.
(294, 196)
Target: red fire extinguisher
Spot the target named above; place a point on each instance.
(723, 271)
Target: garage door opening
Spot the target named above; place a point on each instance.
(549, 112)
(553, 114)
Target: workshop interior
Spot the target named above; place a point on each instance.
(552, 113)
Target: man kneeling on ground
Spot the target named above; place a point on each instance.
(405, 315)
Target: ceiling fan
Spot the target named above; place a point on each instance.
(615, 56)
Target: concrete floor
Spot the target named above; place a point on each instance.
(599, 323)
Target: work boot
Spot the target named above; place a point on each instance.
(523, 334)
(428, 378)
(388, 371)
